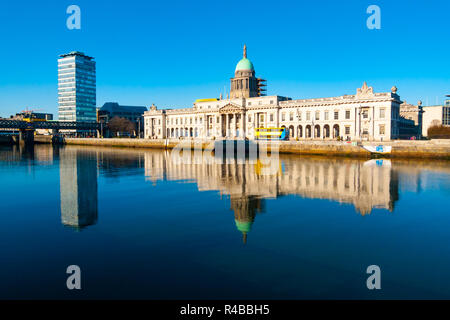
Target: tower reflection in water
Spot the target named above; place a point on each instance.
(366, 185)
(78, 188)
(245, 209)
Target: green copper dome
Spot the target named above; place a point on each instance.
(244, 64)
(243, 226)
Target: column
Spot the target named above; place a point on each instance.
(242, 131)
(372, 122)
(226, 125)
(235, 124)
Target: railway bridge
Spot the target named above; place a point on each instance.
(27, 129)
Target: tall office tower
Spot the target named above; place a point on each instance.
(76, 87)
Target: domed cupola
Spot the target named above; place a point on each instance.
(244, 84)
(245, 64)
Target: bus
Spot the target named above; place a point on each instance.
(270, 134)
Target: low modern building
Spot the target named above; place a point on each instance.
(365, 115)
(435, 116)
(132, 113)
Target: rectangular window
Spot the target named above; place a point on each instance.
(249, 118)
(365, 114)
(317, 117)
(336, 115)
(446, 115)
(261, 118)
(271, 117)
(347, 114)
(218, 120)
(299, 116)
(382, 129)
(347, 130)
(382, 113)
(326, 115)
(283, 116)
(308, 115)
(291, 116)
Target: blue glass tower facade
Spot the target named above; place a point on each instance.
(76, 87)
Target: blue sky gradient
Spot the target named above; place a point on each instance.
(173, 52)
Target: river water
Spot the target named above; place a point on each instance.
(142, 224)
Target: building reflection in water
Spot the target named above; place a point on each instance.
(364, 184)
(245, 209)
(78, 187)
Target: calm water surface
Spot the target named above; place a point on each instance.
(143, 226)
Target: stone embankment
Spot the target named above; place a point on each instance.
(425, 149)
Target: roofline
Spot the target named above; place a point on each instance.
(75, 53)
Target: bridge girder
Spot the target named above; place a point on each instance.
(56, 125)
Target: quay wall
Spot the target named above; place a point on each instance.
(421, 149)
(6, 140)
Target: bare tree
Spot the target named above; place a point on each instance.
(121, 125)
(439, 132)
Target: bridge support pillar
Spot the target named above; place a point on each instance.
(56, 139)
(26, 137)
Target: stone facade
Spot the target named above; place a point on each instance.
(411, 120)
(366, 115)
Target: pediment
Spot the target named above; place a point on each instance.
(231, 108)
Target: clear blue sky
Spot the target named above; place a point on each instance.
(173, 52)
